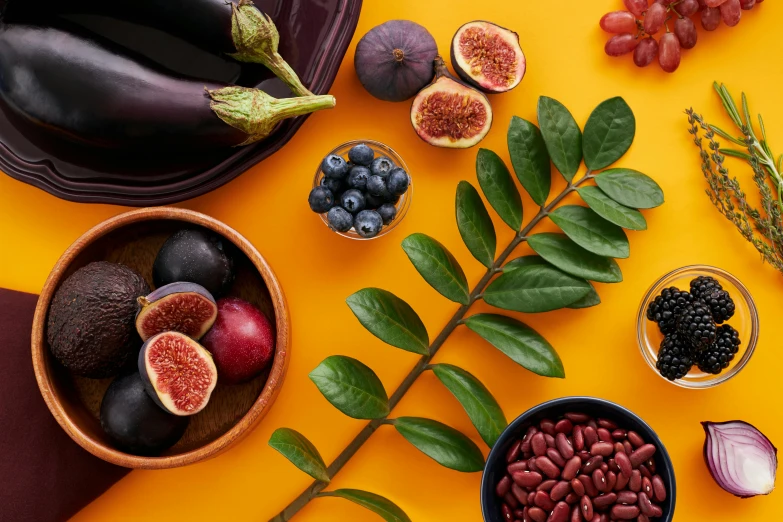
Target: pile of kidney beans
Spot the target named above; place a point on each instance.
(580, 469)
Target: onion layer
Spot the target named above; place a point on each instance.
(740, 458)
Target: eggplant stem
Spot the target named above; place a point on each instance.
(257, 41)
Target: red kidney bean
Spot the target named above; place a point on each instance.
(592, 464)
(527, 479)
(591, 436)
(547, 467)
(624, 463)
(577, 487)
(599, 479)
(587, 507)
(645, 505)
(635, 484)
(546, 485)
(613, 466)
(622, 482)
(587, 482)
(611, 480)
(579, 438)
(604, 435)
(517, 466)
(538, 444)
(564, 446)
(624, 512)
(645, 472)
(543, 501)
(526, 515)
(607, 424)
(584, 455)
(656, 511)
(628, 447)
(650, 464)
(642, 518)
(604, 467)
(576, 514)
(525, 446)
(618, 446)
(564, 426)
(513, 452)
(627, 497)
(619, 434)
(550, 440)
(531, 464)
(592, 424)
(571, 468)
(547, 426)
(659, 489)
(577, 418)
(647, 486)
(559, 513)
(641, 454)
(520, 494)
(555, 457)
(507, 514)
(602, 448)
(511, 500)
(519, 514)
(503, 487)
(604, 501)
(572, 498)
(537, 514)
(635, 439)
(560, 490)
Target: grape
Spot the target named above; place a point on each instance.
(687, 7)
(731, 12)
(620, 44)
(669, 52)
(645, 52)
(702, 5)
(637, 7)
(714, 3)
(747, 5)
(685, 30)
(710, 18)
(618, 22)
(654, 18)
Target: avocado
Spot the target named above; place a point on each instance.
(91, 326)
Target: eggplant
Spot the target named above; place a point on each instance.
(91, 91)
(239, 30)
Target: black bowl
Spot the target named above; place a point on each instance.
(626, 419)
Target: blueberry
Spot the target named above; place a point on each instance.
(368, 223)
(376, 186)
(334, 167)
(352, 201)
(321, 199)
(381, 167)
(361, 155)
(387, 212)
(358, 177)
(340, 219)
(398, 182)
(335, 185)
(372, 202)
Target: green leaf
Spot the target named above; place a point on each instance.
(530, 159)
(301, 452)
(521, 343)
(482, 408)
(475, 225)
(591, 299)
(437, 266)
(609, 132)
(573, 259)
(535, 288)
(390, 319)
(524, 261)
(383, 507)
(591, 232)
(499, 188)
(611, 210)
(352, 387)
(735, 154)
(562, 136)
(447, 446)
(630, 188)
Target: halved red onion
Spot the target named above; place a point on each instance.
(740, 458)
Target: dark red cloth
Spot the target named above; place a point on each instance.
(44, 475)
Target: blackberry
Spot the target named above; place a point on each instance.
(703, 286)
(721, 305)
(675, 357)
(695, 323)
(719, 354)
(666, 307)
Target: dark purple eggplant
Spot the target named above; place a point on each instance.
(239, 30)
(93, 92)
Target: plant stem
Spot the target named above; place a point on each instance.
(316, 487)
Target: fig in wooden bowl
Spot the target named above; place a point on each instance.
(155, 439)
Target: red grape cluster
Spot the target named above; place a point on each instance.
(635, 29)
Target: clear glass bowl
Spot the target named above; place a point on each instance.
(745, 321)
(380, 150)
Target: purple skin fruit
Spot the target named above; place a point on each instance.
(181, 307)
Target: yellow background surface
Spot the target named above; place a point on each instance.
(319, 269)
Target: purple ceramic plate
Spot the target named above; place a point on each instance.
(314, 36)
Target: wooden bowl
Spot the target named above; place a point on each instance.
(134, 239)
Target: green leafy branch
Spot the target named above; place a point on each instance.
(558, 276)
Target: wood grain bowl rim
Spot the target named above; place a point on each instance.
(257, 411)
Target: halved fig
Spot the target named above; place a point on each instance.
(177, 307)
(448, 113)
(178, 373)
(488, 56)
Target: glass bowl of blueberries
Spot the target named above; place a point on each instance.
(362, 190)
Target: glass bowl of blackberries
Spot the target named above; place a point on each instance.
(697, 326)
(362, 190)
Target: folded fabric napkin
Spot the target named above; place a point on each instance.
(44, 475)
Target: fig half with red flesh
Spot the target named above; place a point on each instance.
(448, 113)
(488, 56)
(177, 307)
(178, 373)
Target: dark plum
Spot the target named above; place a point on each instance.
(361, 154)
(381, 167)
(368, 223)
(388, 212)
(397, 182)
(178, 307)
(334, 167)
(352, 201)
(340, 219)
(357, 179)
(321, 199)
